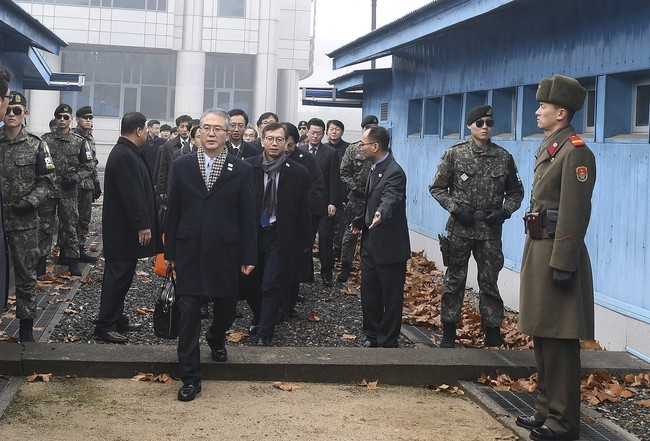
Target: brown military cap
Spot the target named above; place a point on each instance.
(562, 91)
(477, 113)
(63, 108)
(17, 98)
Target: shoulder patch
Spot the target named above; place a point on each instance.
(576, 141)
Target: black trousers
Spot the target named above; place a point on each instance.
(326, 245)
(558, 382)
(382, 298)
(271, 283)
(118, 276)
(189, 331)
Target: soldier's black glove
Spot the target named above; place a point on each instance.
(497, 216)
(465, 216)
(97, 191)
(22, 207)
(68, 183)
(562, 279)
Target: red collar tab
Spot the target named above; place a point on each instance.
(553, 149)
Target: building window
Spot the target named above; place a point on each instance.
(231, 8)
(414, 123)
(451, 120)
(119, 81)
(432, 116)
(504, 108)
(149, 5)
(229, 82)
(641, 107)
(590, 111)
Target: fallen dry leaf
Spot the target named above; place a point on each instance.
(312, 317)
(372, 385)
(38, 377)
(142, 376)
(450, 389)
(289, 387)
(143, 310)
(141, 273)
(69, 311)
(236, 337)
(348, 337)
(644, 403)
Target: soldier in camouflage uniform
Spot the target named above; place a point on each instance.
(89, 188)
(478, 183)
(27, 173)
(74, 162)
(354, 174)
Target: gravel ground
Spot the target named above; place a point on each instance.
(338, 308)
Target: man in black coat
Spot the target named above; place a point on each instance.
(129, 226)
(152, 146)
(236, 144)
(323, 217)
(282, 215)
(166, 155)
(385, 245)
(210, 237)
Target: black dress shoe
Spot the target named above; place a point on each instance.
(131, 327)
(111, 336)
(528, 422)
(545, 433)
(205, 312)
(220, 355)
(264, 341)
(327, 281)
(252, 329)
(369, 344)
(189, 391)
(300, 298)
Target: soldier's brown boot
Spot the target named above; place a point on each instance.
(73, 266)
(448, 336)
(40, 266)
(26, 331)
(85, 257)
(493, 336)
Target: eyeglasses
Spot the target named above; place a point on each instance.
(488, 122)
(278, 139)
(15, 110)
(361, 144)
(62, 116)
(211, 129)
(89, 117)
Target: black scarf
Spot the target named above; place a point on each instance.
(271, 168)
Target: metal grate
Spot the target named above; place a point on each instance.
(520, 404)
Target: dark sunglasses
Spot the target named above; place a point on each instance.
(479, 123)
(90, 117)
(15, 110)
(302, 128)
(59, 116)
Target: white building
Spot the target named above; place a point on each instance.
(165, 58)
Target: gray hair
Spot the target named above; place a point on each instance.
(219, 112)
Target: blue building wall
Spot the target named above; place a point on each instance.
(513, 48)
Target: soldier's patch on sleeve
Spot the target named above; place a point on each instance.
(49, 164)
(582, 173)
(576, 141)
(89, 153)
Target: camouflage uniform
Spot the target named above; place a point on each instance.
(27, 173)
(86, 189)
(354, 173)
(481, 180)
(73, 158)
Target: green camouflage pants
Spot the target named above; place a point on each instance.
(349, 241)
(85, 198)
(23, 248)
(489, 261)
(68, 211)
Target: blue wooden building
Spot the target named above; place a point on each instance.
(452, 55)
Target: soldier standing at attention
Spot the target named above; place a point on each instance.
(556, 299)
(354, 174)
(74, 162)
(477, 182)
(27, 173)
(89, 189)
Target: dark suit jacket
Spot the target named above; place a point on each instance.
(340, 148)
(386, 193)
(151, 149)
(129, 204)
(210, 234)
(315, 178)
(165, 164)
(328, 162)
(293, 223)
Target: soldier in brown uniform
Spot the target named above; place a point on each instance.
(26, 170)
(556, 297)
(74, 162)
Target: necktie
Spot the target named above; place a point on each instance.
(208, 170)
(312, 150)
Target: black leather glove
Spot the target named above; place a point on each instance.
(562, 279)
(22, 207)
(97, 191)
(497, 216)
(68, 183)
(465, 216)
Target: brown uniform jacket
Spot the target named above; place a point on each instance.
(563, 180)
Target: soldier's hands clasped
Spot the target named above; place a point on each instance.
(562, 279)
(22, 207)
(68, 183)
(465, 216)
(497, 216)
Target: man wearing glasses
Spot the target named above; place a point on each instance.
(89, 189)
(27, 173)
(236, 145)
(478, 183)
(74, 162)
